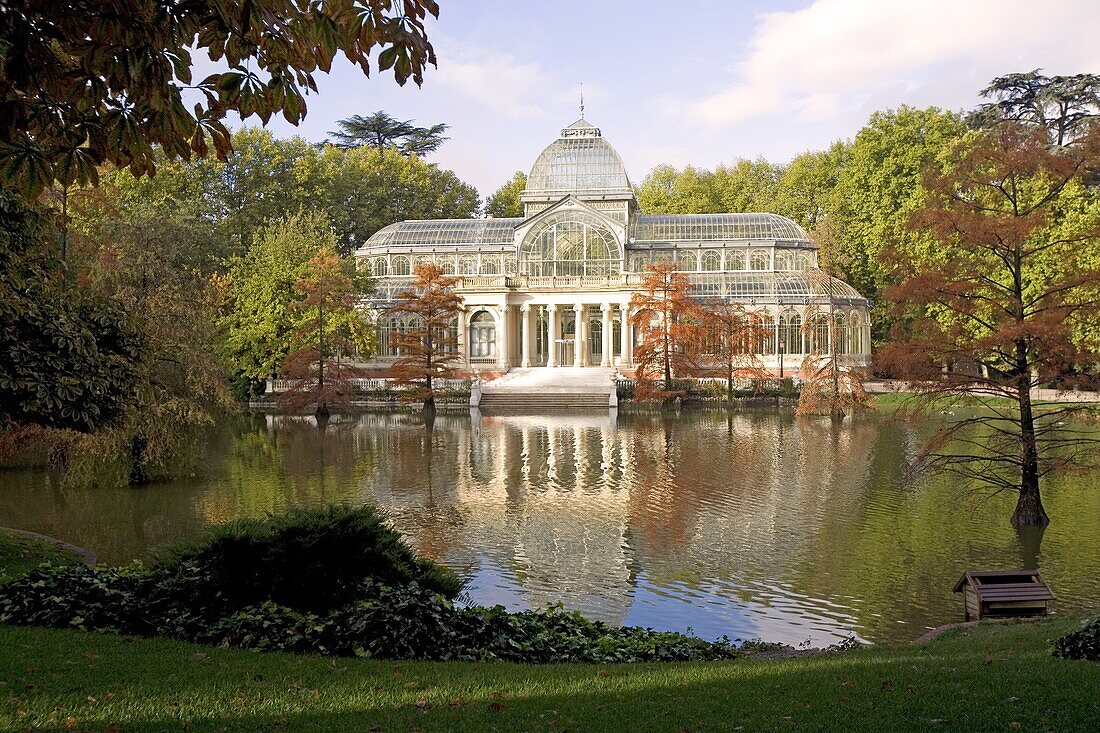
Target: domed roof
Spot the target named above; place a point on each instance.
(580, 162)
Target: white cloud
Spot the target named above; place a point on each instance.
(492, 79)
(834, 53)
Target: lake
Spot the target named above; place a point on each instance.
(751, 524)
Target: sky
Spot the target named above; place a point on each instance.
(699, 82)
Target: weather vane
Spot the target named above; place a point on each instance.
(582, 100)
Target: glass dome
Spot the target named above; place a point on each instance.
(580, 162)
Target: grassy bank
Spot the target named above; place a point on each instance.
(20, 552)
(992, 678)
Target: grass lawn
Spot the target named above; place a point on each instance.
(19, 553)
(992, 678)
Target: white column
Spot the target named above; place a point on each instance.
(605, 359)
(578, 335)
(504, 341)
(525, 335)
(626, 345)
(552, 335)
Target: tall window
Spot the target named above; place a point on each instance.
(712, 261)
(687, 262)
(855, 334)
(784, 261)
(790, 332)
(820, 334)
(735, 259)
(400, 265)
(760, 259)
(840, 334)
(483, 335)
(467, 265)
(570, 243)
(803, 262)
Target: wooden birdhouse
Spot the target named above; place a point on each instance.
(1004, 593)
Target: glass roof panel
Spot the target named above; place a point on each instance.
(715, 227)
(430, 233)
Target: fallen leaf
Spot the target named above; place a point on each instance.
(605, 673)
(1014, 724)
(496, 707)
(423, 704)
(887, 685)
(1013, 699)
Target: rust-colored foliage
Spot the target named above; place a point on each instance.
(731, 340)
(669, 319)
(428, 351)
(830, 384)
(991, 312)
(327, 295)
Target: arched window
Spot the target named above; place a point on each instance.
(400, 265)
(570, 243)
(765, 339)
(840, 334)
(784, 261)
(483, 335)
(467, 265)
(760, 259)
(803, 262)
(735, 259)
(447, 264)
(819, 334)
(790, 332)
(855, 334)
(490, 264)
(378, 266)
(423, 259)
(687, 262)
(638, 263)
(712, 261)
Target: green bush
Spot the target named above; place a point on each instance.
(306, 559)
(1084, 643)
(337, 582)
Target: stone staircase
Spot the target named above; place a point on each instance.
(540, 390)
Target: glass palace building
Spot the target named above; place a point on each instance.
(553, 288)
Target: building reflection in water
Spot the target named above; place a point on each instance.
(751, 524)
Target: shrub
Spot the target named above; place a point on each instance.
(73, 596)
(308, 560)
(1084, 643)
(335, 582)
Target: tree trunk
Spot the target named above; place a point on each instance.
(1029, 506)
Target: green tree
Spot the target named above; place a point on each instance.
(504, 202)
(383, 132)
(93, 83)
(746, 186)
(259, 318)
(366, 189)
(806, 188)
(1064, 105)
(880, 185)
(68, 356)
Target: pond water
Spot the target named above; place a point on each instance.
(749, 524)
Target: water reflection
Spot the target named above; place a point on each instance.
(747, 524)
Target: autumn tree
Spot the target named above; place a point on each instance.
(383, 132)
(994, 307)
(331, 331)
(668, 319)
(830, 382)
(731, 341)
(86, 84)
(427, 351)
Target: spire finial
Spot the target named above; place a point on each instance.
(582, 100)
